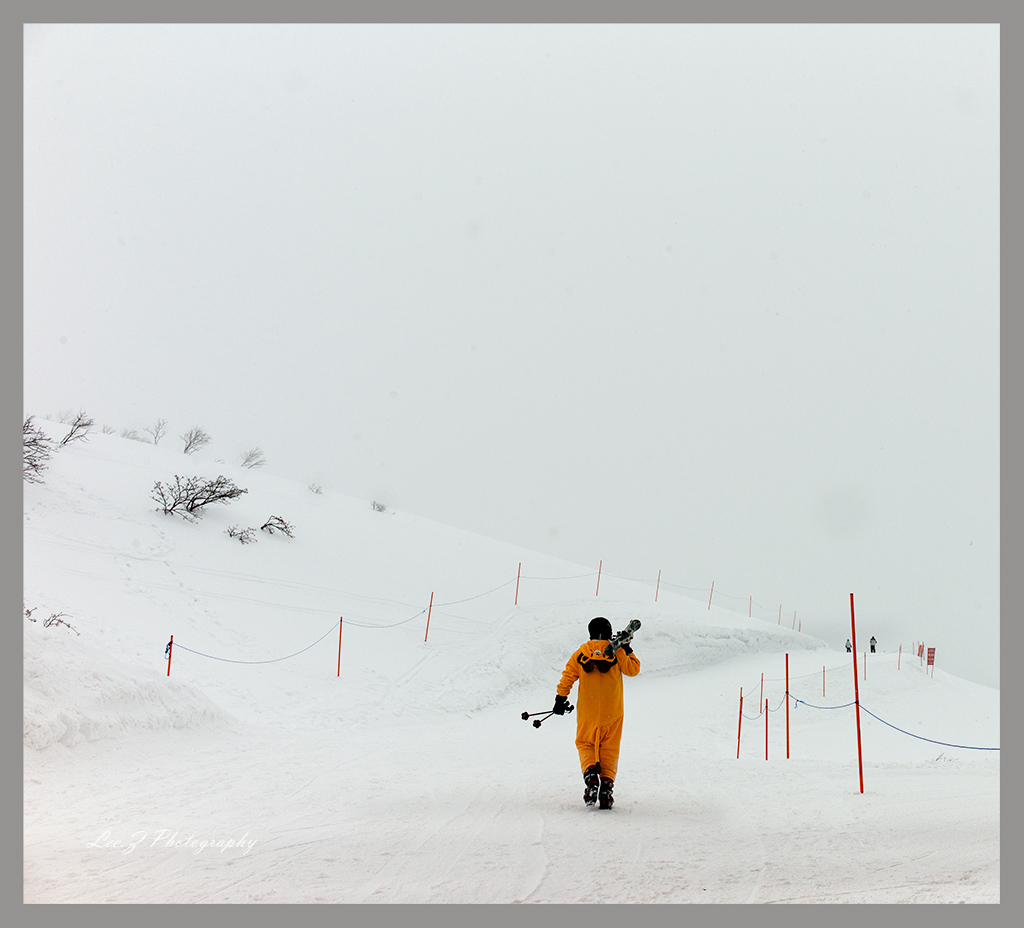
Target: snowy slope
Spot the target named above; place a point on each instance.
(410, 776)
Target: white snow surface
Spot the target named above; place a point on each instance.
(411, 776)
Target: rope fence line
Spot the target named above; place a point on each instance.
(797, 701)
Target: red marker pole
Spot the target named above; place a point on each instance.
(600, 564)
(658, 587)
(766, 729)
(739, 727)
(341, 621)
(518, 575)
(856, 693)
(170, 647)
(431, 606)
(712, 594)
(760, 695)
(787, 707)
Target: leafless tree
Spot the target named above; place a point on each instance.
(188, 495)
(80, 426)
(194, 439)
(276, 523)
(158, 429)
(38, 448)
(253, 458)
(108, 430)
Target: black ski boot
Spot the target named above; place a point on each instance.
(605, 798)
(592, 779)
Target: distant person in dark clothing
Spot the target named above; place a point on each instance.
(849, 647)
(872, 643)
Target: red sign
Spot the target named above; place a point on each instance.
(931, 656)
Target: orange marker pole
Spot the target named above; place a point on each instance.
(712, 594)
(739, 727)
(519, 573)
(431, 606)
(856, 693)
(599, 565)
(170, 647)
(658, 587)
(341, 621)
(794, 621)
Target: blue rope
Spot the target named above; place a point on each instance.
(965, 747)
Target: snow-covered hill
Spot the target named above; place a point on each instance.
(260, 771)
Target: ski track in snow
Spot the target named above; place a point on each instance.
(411, 777)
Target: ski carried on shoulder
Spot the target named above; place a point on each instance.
(621, 638)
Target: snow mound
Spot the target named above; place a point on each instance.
(75, 693)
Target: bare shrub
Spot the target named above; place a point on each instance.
(245, 535)
(38, 449)
(379, 507)
(57, 618)
(108, 430)
(132, 434)
(253, 458)
(276, 523)
(80, 426)
(187, 496)
(316, 488)
(194, 439)
(158, 429)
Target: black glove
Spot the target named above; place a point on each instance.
(627, 648)
(560, 703)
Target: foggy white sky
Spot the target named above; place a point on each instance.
(717, 300)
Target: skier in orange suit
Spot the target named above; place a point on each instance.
(599, 708)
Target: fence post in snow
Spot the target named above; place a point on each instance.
(899, 657)
(431, 606)
(341, 621)
(856, 693)
(822, 681)
(599, 565)
(519, 573)
(766, 729)
(787, 707)
(170, 647)
(712, 594)
(780, 613)
(739, 727)
(657, 587)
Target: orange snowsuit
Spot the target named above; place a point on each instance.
(599, 702)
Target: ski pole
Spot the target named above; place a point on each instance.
(546, 715)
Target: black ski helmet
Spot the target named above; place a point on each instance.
(600, 629)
